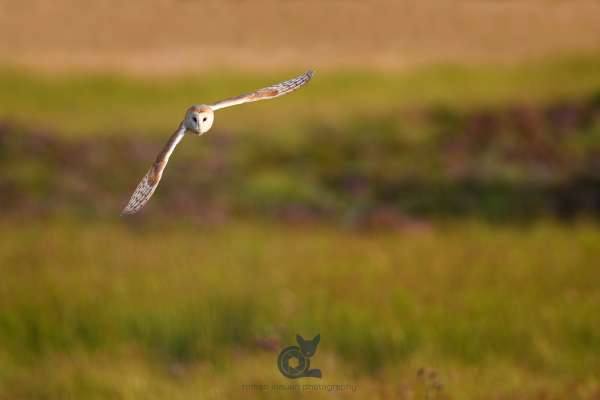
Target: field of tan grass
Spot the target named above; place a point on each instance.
(166, 36)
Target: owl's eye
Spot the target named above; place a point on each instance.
(194, 119)
(204, 119)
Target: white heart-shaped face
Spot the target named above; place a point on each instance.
(199, 119)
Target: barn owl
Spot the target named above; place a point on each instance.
(198, 120)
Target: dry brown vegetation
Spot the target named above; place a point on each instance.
(175, 35)
(514, 163)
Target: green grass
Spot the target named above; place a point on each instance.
(174, 307)
(103, 104)
(104, 309)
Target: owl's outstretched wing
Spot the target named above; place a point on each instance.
(276, 90)
(149, 182)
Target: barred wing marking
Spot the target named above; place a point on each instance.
(150, 181)
(271, 92)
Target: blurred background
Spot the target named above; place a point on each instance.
(429, 203)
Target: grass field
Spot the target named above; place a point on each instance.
(173, 36)
(78, 104)
(105, 309)
(467, 289)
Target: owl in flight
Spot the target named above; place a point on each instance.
(198, 120)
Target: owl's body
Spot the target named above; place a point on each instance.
(198, 120)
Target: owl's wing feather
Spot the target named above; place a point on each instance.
(271, 92)
(150, 181)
